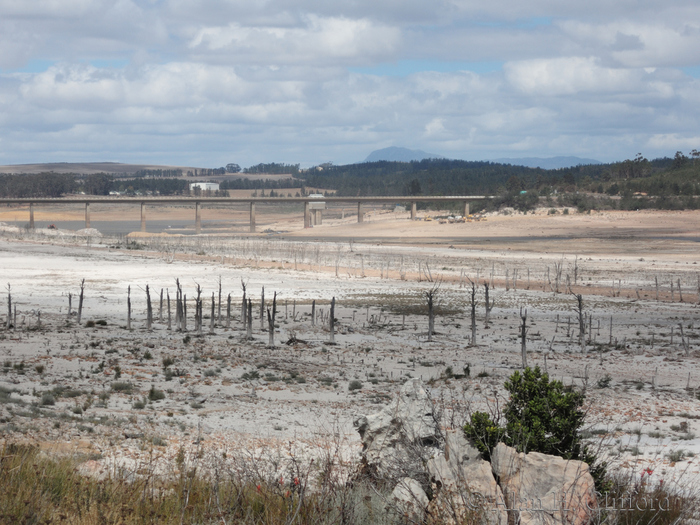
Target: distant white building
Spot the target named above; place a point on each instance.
(205, 186)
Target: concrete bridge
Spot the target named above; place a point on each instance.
(311, 215)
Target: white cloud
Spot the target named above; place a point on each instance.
(569, 76)
(250, 81)
(318, 40)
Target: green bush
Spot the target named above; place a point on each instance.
(540, 416)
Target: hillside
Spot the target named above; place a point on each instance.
(86, 168)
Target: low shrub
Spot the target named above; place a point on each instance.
(155, 395)
(123, 387)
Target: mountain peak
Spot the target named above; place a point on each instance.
(397, 154)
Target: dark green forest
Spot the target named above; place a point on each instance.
(664, 183)
(667, 183)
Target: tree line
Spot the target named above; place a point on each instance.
(669, 183)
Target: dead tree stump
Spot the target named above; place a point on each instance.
(80, 300)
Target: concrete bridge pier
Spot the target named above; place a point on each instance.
(252, 217)
(466, 209)
(413, 211)
(360, 213)
(198, 218)
(31, 216)
(307, 215)
(87, 214)
(143, 216)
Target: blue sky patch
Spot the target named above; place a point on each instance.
(33, 66)
(692, 71)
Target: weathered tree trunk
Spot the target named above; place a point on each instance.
(313, 312)
(656, 283)
(581, 322)
(198, 310)
(149, 309)
(473, 312)
(211, 320)
(169, 317)
(80, 300)
(523, 337)
(249, 319)
(488, 305)
(271, 322)
(528, 278)
(178, 312)
(70, 303)
(178, 305)
(183, 320)
(9, 307)
(262, 309)
(332, 321)
(128, 308)
(430, 296)
(685, 342)
(200, 316)
(160, 307)
(228, 311)
(244, 306)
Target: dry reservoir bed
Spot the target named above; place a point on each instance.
(127, 396)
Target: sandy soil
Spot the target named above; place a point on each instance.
(641, 375)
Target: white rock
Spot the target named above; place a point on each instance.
(465, 483)
(410, 499)
(392, 438)
(545, 489)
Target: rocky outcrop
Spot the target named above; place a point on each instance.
(544, 489)
(396, 440)
(403, 444)
(464, 484)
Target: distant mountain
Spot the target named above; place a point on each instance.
(394, 154)
(551, 163)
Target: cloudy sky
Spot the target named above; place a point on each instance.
(205, 83)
